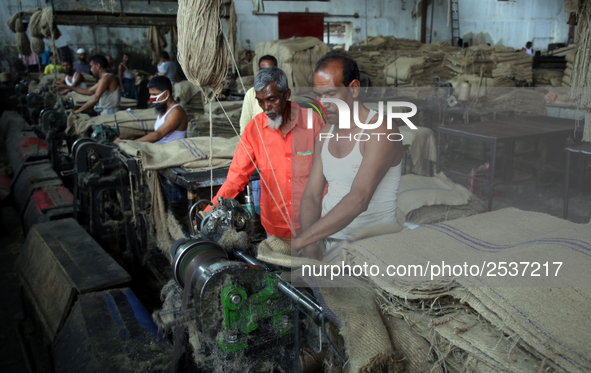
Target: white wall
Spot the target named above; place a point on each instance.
(513, 23)
(108, 40)
(384, 17)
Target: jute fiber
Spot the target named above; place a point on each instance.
(190, 153)
(80, 100)
(201, 49)
(356, 313)
(161, 221)
(581, 73)
(37, 45)
(23, 45)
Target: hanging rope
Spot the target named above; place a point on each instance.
(202, 54)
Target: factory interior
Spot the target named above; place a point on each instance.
(289, 186)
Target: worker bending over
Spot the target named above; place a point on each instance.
(106, 95)
(279, 142)
(251, 107)
(363, 176)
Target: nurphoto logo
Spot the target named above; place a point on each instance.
(345, 117)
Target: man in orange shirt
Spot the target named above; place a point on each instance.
(281, 145)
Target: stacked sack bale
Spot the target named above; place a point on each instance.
(570, 60)
(296, 56)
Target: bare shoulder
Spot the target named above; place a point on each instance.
(177, 114)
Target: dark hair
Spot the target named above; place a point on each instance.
(528, 43)
(268, 57)
(165, 55)
(100, 60)
(349, 66)
(68, 61)
(161, 83)
(126, 54)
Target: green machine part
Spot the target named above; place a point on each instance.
(243, 313)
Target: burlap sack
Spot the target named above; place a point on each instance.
(132, 123)
(189, 153)
(80, 100)
(23, 46)
(296, 56)
(535, 318)
(37, 45)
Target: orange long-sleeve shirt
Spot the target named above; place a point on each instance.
(290, 158)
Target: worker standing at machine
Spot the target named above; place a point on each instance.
(105, 93)
(363, 177)
(72, 78)
(280, 144)
(250, 106)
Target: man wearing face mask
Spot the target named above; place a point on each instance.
(280, 141)
(105, 93)
(170, 125)
(172, 119)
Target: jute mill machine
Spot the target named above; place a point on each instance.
(246, 313)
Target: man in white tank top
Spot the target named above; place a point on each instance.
(72, 78)
(363, 176)
(106, 95)
(172, 120)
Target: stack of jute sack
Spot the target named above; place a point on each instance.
(547, 78)
(570, 60)
(376, 43)
(422, 317)
(132, 123)
(189, 96)
(512, 64)
(296, 56)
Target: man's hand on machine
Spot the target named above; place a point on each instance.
(61, 85)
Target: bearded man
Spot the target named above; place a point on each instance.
(280, 142)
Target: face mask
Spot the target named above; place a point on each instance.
(156, 99)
